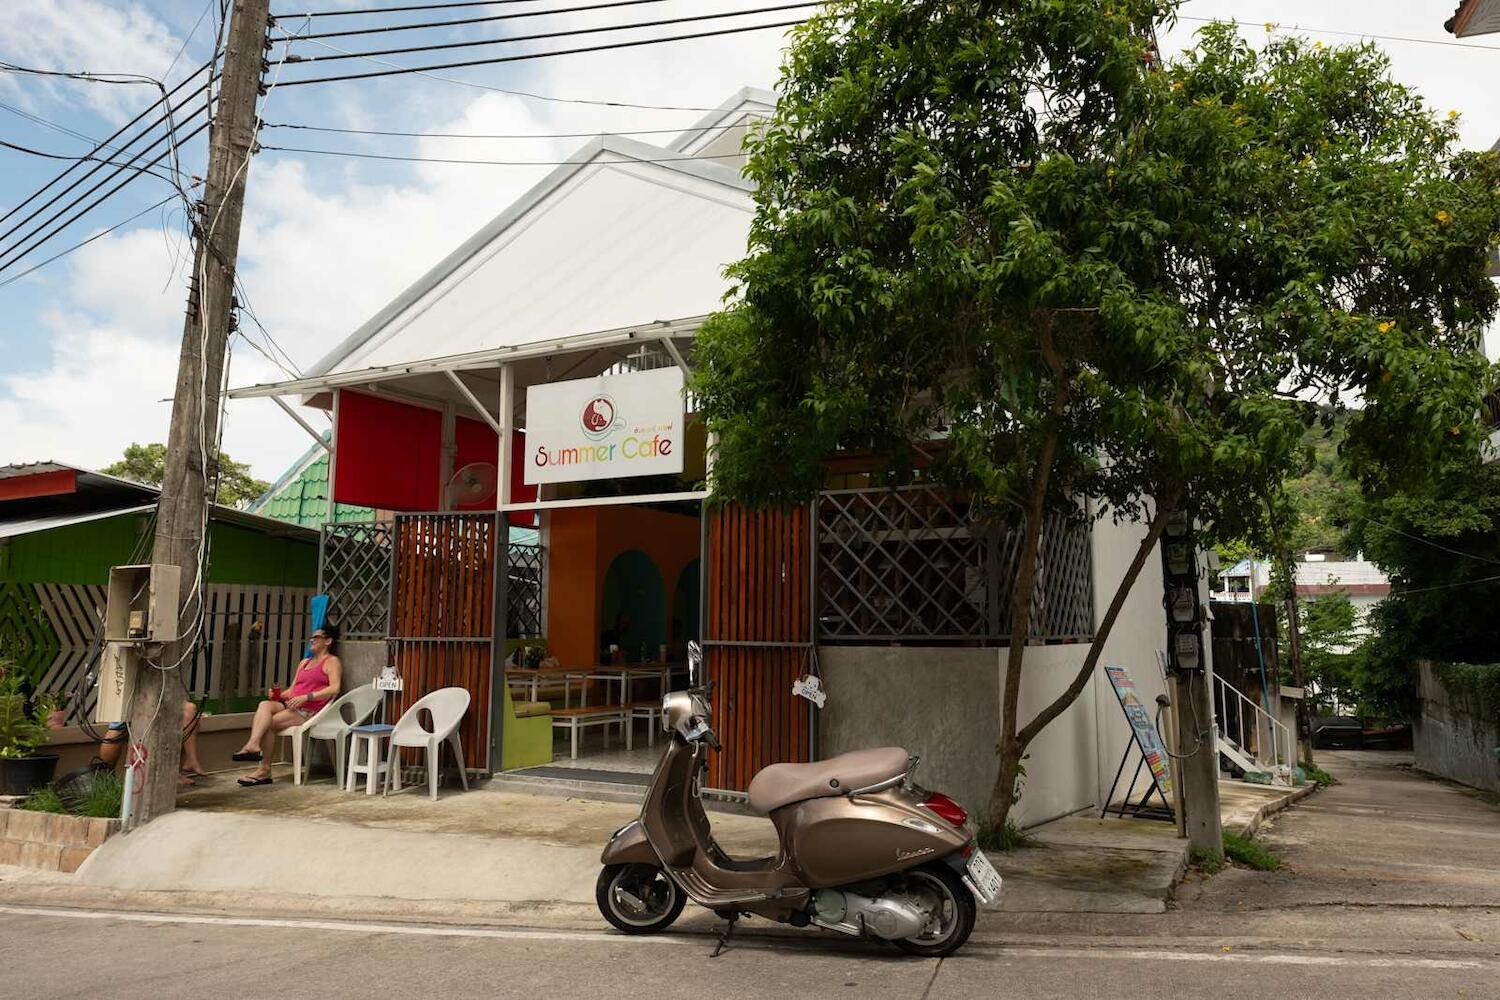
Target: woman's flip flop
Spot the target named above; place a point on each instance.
(252, 782)
(246, 755)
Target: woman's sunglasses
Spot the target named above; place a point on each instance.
(320, 635)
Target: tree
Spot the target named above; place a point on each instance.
(145, 463)
(990, 233)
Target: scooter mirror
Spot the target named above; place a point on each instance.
(695, 662)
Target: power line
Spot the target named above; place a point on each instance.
(499, 135)
(70, 156)
(563, 33)
(1417, 538)
(468, 20)
(77, 246)
(398, 10)
(169, 136)
(19, 251)
(63, 130)
(186, 39)
(1273, 26)
(1402, 591)
(483, 163)
(546, 55)
(105, 144)
(528, 95)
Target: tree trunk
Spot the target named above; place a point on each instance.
(1013, 743)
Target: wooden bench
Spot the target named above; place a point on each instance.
(650, 710)
(580, 717)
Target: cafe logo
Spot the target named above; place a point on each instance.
(599, 418)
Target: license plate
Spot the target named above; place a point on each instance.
(983, 878)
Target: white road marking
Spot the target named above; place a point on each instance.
(607, 937)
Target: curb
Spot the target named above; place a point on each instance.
(1272, 808)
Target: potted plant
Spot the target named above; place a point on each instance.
(22, 729)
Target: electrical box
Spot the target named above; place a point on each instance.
(142, 603)
(115, 687)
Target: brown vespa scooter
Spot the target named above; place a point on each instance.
(862, 849)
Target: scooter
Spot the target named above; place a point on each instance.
(862, 849)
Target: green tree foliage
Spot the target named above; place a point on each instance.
(1440, 546)
(990, 237)
(1327, 628)
(146, 463)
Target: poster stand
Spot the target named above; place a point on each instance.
(1143, 737)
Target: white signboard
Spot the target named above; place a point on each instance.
(608, 427)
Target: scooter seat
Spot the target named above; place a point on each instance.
(783, 784)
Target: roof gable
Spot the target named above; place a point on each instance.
(624, 233)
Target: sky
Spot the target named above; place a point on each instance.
(89, 342)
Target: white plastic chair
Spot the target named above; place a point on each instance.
(448, 706)
(332, 723)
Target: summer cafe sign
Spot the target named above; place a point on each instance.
(608, 427)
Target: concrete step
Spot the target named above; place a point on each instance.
(603, 786)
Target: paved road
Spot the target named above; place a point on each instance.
(1391, 889)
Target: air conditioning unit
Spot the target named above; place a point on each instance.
(142, 603)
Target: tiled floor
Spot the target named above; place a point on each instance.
(592, 753)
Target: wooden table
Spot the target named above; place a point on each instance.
(533, 677)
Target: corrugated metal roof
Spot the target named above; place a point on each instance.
(303, 498)
(10, 529)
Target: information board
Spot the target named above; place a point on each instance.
(608, 427)
(1144, 729)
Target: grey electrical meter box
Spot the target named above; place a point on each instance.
(142, 603)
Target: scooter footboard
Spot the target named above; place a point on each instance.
(629, 846)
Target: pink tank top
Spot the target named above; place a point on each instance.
(310, 677)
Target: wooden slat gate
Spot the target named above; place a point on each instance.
(442, 614)
(758, 639)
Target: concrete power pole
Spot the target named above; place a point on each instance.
(1188, 656)
(192, 441)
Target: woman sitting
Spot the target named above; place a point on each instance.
(316, 683)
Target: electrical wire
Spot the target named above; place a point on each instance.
(31, 242)
(78, 246)
(1273, 26)
(105, 144)
(369, 11)
(168, 137)
(527, 95)
(1424, 541)
(719, 32)
(562, 33)
(73, 133)
(471, 20)
(68, 156)
(188, 38)
(482, 163)
(510, 135)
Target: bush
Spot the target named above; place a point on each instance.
(1005, 838)
(44, 800)
(105, 795)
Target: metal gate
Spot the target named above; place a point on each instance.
(758, 638)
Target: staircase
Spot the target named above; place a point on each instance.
(1252, 740)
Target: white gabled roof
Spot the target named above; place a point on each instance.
(623, 234)
(721, 132)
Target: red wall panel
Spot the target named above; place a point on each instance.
(388, 453)
(477, 442)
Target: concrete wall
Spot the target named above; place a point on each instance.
(362, 661)
(1451, 742)
(944, 702)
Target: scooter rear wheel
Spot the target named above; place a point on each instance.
(953, 921)
(638, 899)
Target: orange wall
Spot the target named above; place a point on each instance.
(582, 543)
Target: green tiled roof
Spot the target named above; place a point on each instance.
(301, 497)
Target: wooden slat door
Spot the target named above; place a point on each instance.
(442, 617)
(758, 639)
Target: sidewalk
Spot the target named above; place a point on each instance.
(503, 856)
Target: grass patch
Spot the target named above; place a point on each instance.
(1250, 853)
(44, 800)
(1317, 775)
(1206, 861)
(1005, 838)
(106, 792)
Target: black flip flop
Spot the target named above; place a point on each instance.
(246, 755)
(248, 782)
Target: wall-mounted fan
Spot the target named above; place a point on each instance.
(474, 484)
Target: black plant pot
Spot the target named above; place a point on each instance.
(19, 775)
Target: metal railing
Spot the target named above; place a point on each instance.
(920, 562)
(1252, 731)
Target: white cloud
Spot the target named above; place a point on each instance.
(92, 35)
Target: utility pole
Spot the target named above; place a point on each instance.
(1192, 697)
(1294, 641)
(192, 441)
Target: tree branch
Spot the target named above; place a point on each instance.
(1091, 660)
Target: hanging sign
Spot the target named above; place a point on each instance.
(1143, 728)
(608, 427)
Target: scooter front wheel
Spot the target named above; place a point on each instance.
(951, 915)
(638, 899)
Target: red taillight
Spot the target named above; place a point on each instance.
(947, 808)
